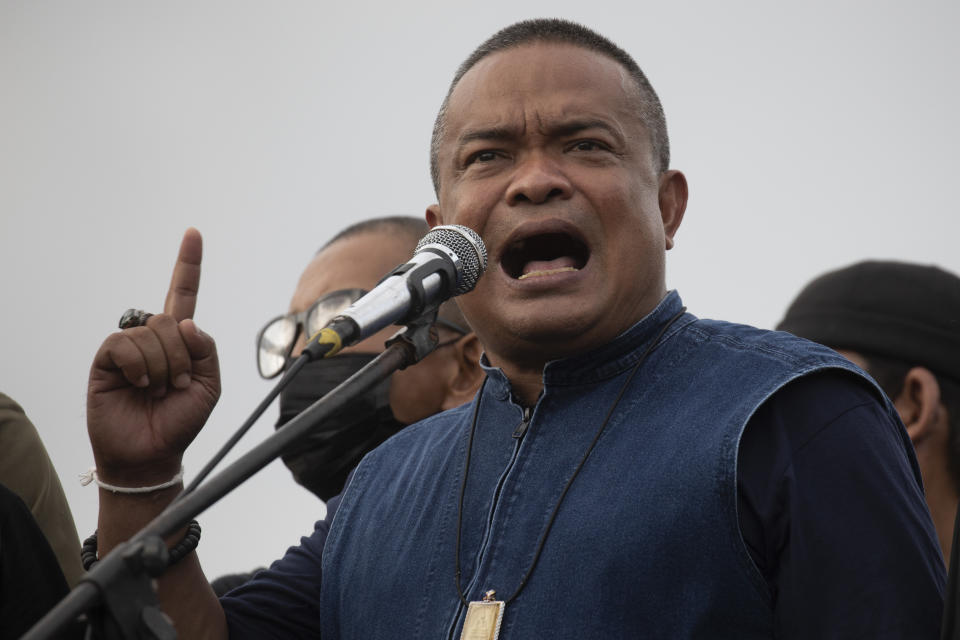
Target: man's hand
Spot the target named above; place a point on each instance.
(151, 390)
(153, 387)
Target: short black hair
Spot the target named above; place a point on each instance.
(409, 228)
(555, 30)
(890, 374)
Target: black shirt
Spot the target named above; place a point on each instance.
(31, 581)
(800, 484)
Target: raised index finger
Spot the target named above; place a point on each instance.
(185, 282)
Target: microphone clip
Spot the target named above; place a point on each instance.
(416, 272)
(419, 336)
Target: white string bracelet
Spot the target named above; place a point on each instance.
(91, 476)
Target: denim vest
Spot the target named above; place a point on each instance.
(646, 542)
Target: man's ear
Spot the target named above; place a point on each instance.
(919, 404)
(433, 215)
(462, 386)
(673, 203)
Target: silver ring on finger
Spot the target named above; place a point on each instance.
(134, 318)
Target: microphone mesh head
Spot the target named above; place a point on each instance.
(467, 246)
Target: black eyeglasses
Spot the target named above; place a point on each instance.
(276, 339)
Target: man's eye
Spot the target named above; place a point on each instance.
(587, 145)
(482, 156)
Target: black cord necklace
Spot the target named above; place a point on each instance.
(489, 598)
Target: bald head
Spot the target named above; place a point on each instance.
(407, 229)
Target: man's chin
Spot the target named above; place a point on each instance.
(549, 335)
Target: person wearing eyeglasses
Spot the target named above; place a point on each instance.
(343, 270)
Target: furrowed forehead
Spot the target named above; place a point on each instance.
(633, 81)
(547, 88)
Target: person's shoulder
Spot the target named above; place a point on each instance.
(11, 413)
(9, 404)
(16, 429)
(431, 429)
(421, 443)
(443, 420)
(773, 344)
(822, 396)
(747, 334)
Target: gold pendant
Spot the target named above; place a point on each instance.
(483, 618)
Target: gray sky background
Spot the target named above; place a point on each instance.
(812, 134)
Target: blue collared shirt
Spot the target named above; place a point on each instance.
(648, 542)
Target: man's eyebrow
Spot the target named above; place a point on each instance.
(570, 127)
(562, 128)
(488, 133)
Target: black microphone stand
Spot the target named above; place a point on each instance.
(119, 594)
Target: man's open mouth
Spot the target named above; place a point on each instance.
(544, 255)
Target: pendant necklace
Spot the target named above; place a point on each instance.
(484, 616)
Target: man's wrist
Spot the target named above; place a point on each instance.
(91, 476)
(149, 474)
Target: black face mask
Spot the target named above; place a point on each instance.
(322, 461)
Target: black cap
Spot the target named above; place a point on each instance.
(904, 311)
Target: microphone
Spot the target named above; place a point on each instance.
(447, 262)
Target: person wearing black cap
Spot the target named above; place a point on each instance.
(900, 322)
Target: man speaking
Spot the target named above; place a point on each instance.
(627, 470)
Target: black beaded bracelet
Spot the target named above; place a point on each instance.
(88, 552)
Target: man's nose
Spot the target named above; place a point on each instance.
(537, 180)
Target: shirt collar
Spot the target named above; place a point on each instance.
(605, 361)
